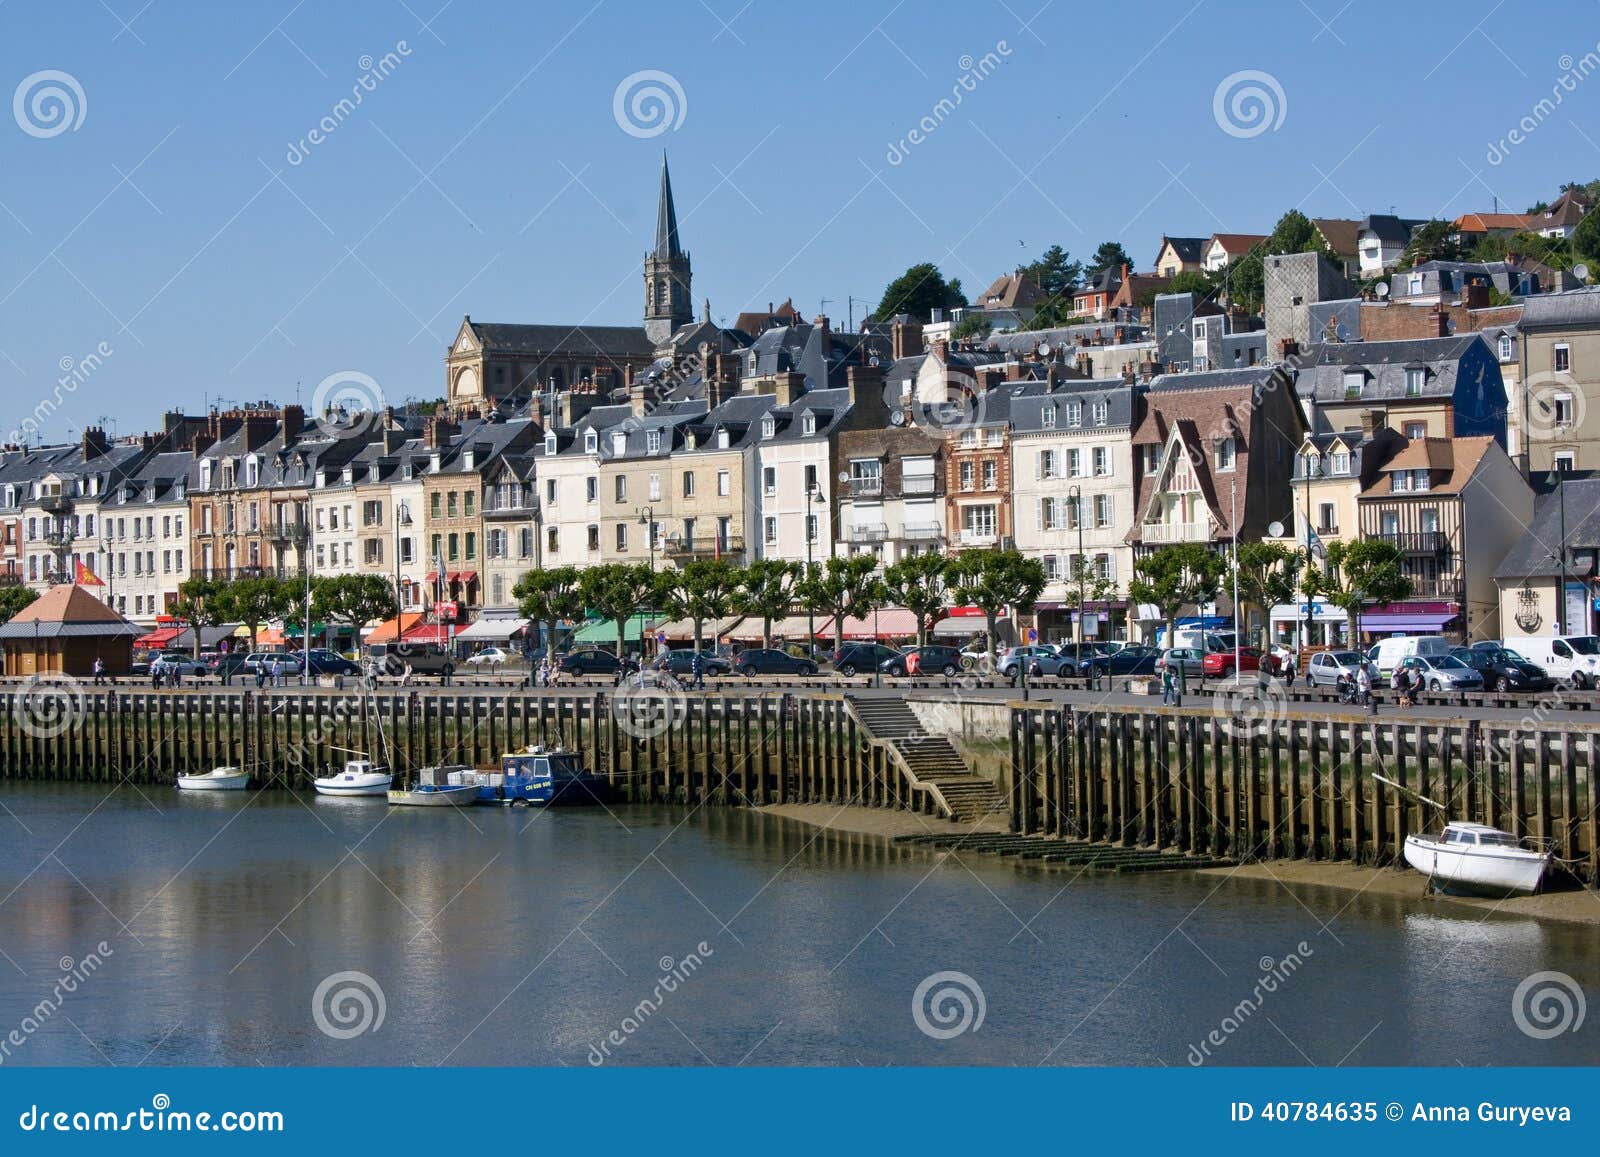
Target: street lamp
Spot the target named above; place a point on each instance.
(402, 517)
(1075, 496)
(1554, 479)
(813, 494)
(647, 519)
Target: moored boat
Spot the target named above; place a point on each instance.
(1478, 860)
(429, 795)
(217, 779)
(360, 777)
(540, 775)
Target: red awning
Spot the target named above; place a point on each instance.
(426, 633)
(453, 577)
(159, 637)
(888, 623)
(469, 576)
(433, 577)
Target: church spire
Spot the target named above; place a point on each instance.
(667, 248)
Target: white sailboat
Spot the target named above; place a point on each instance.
(359, 777)
(217, 779)
(1478, 859)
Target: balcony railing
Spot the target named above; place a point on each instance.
(866, 487)
(923, 532)
(868, 532)
(1417, 541)
(970, 537)
(1165, 532)
(1446, 588)
(710, 547)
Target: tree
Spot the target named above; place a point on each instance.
(1051, 313)
(547, 597)
(919, 291)
(1586, 237)
(1294, 233)
(919, 585)
(704, 589)
(1191, 281)
(200, 606)
(974, 325)
(13, 599)
(1245, 277)
(766, 590)
(1055, 272)
(993, 580)
(1433, 240)
(352, 599)
(1556, 252)
(253, 601)
(1357, 572)
(1085, 587)
(616, 591)
(1173, 577)
(1268, 575)
(1110, 255)
(840, 588)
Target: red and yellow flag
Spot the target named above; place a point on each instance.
(86, 577)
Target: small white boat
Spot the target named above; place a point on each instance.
(217, 779)
(1478, 860)
(429, 795)
(359, 777)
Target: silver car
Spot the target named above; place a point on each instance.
(1326, 667)
(1445, 673)
(1010, 660)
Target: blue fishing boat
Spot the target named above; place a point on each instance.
(537, 776)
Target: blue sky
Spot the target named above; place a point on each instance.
(487, 174)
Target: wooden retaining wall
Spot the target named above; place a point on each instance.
(1301, 788)
(753, 748)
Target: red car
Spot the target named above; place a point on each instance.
(1219, 664)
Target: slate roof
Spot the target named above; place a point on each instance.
(1321, 375)
(1389, 228)
(1535, 553)
(1550, 310)
(1188, 249)
(615, 340)
(1027, 411)
(1010, 291)
(1341, 235)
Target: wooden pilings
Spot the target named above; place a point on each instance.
(1302, 788)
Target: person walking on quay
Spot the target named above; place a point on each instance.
(1169, 687)
(99, 671)
(698, 666)
(1288, 669)
(261, 676)
(1364, 689)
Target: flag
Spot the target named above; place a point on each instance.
(1313, 543)
(86, 577)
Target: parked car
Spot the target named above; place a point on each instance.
(1220, 664)
(1387, 654)
(422, 658)
(1185, 660)
(185, 665)
(227, 665)
(1077, 661)
(324, 662)
(489, 657)
(271, 662)
(1325, 668)
(1011, 660)
(594, 661)
(934, 659)
(1572, 658)
(765, 661)
(1067, 661)
(1135, 660)
(1444, 673)
(679, 663)
(854, 658)
(1504, 670)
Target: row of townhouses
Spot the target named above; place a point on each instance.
(1422, 406)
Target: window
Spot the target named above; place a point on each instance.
(1565, 461)
(1354, 382)
(435, 505)
(1074, 413)
(1102, 510)
(1049, 464)
(966, 476)
(1389, 523)
(452, 504)
(1505, 347)
(1429, 521)
(1561, 359)
(978, 522)
(1074, 463)
(994, 437)
(769, 480)
(550, 443)
(1415, 431)
(653, 488)
(991, 475)
(1098, 413)
(552, 541)
(652, 441)
(769, 426)
(594, 537)
(1225, 449)
(724, 483)
(688, 483)
(1051, 513)
(1414, 380)
(1341, 462)
(591, 489)
(808, 424)
(621, 488)
(1102, 462)
(622, 538)
(1150, 458)
(550, 491)
(1048, 417)
(1420, 480)
(1327, 521)
(1400, 480)
(469, 502)
(769, 531)
(455, 547)
(1052, 568)
(619, 443)
(591, 442)
(1562, 405)
(811, 478)
(969, 439)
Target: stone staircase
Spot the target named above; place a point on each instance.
(1079, 854)
(930, 763)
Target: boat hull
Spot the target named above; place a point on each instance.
(1477, 871)
(435, 797)
(368, 784)
(228, 780)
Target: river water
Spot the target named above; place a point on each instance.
(198, 930)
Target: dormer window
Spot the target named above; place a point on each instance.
(550, 443)
(252, 472)
(407, 470)
(591, 442)
(1074, 413)
(652, 441)
(348, 475)
(1048, 417)
(808, 424)
(1098, 413)
(1414, 380)
(205, 475)
(1341, 462)
(619, 443)
(769, 426)
(722, 439)
(435, 462)
(1354, 382)
(469, 459)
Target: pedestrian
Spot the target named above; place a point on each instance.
(698, 665)
(261, 675)
(1169, 685)
(1364, 688)
(1288, 669)
(155, 676)
(99, 671)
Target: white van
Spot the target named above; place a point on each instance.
(1200, 640)
(1390, 653)
(1571, 658)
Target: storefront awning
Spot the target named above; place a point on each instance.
(493, 629)
(793, 626)
(604, 631)
(1392, 623)
(427, 633)
(966, 627)
(1321, 609)
(888, 623)
(160, 637)
(682, 630)
(392, 629)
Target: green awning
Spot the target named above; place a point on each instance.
(603, 632)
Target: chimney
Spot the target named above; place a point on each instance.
(905, 339)
(1147, 370)
(1014, 371)
(293, 420)
(722, 379)
(393, 439)
(258, 428)
(1475, 296)
(203, 441)
(1440, 321)
(788, 385)
(941, 349)
(822, 324)
(865, 384)
(94, 442)
(436, 432)
(1370, 421)
(1288, 348)
(1124, 272)
(639, 398)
